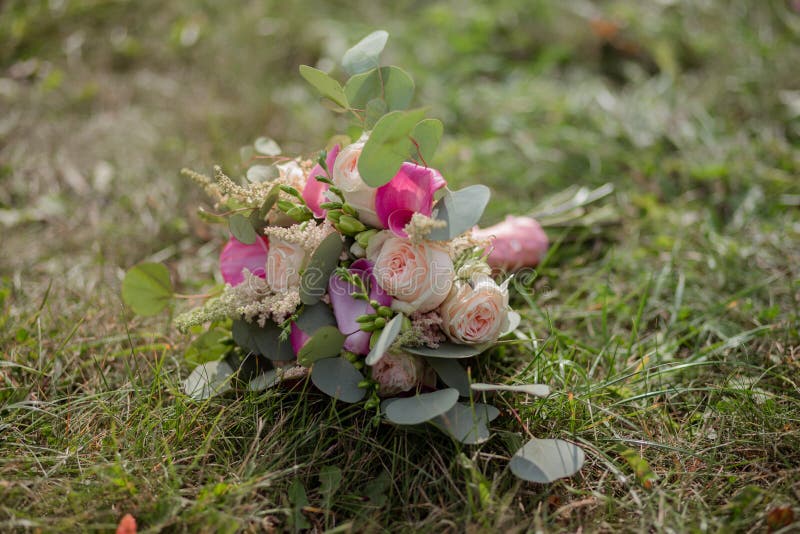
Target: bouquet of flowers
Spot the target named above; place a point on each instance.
(363, 272)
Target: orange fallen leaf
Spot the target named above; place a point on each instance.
(127, 525)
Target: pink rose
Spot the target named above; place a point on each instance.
(475, 312)
(236, 256)
(356, 192)
(284, 263)
(418, 276)
(397, 372)
(410, 191)
(516, 242)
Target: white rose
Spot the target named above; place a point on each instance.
(284, 263)
(475, 312)
(356, 192)
(418, 276)
(397, 372)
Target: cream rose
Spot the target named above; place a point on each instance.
(397, 372)
(418, 276)
(356, 192)
(475, 311)
(284, 263)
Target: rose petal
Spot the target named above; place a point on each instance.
(236, 256)
(516, 242)
(410, 191)
(314, 191)
(358, 342)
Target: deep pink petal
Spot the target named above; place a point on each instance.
(236, 256)
(298, 338)
(410, 191)
(358, 342)
(314, 191)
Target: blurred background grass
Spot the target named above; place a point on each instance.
(690, 108)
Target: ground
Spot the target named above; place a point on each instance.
(669, 328)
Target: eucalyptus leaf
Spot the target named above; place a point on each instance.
(452, 373)
(392, 85)
(242, 229)
(449, 350)
(267, 146)
(420, 408)
(258, 218)
(264, 381)
(327, 86)
(427, 134)
(326, 342)
(206, 347)
(147, 289)
(461, 210)
(537, 390)
(262, 340)
(323, 262)
(259, 173)
(546, 460)
(338, 378)
(385, 340)
(388, 146)
(244, 336)
(467, 424)
(315, 317)
(208, 380)
(376, 108)
(366, 53)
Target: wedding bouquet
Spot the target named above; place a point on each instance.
(363, 271)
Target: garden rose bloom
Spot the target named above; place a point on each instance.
(284, 263)
(356, 192)
(236, 256)
(475, 312)
(397, 372)
(517, 242)
(314, 191)
(347, 309)
(410, 191)
(418, 276)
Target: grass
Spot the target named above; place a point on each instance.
(670, 337)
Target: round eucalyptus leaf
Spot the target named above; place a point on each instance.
(259, 173)
(242, 229)
(467, 424)
(420, 408)
(327, 86)
(208, 380)
(264, 381)
(388, 146)
(452, 373)
(315, 317)
(338, 378)
(390, 85)
(376, 108)
(449, 350)
(326, 342)
(323, 262)
(365, 54)
(537, 390)
(243, 335)
(461, 210)
(385, 340)
(146, 288)
(546, 460)
(267, 146)
(426, 135)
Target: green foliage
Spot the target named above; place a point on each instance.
(327, 86)
(338, 378)
(388, 146)
(323, 262)
(366, 53)
(208, 346)
(391, 85)
(419, 408)
(546, 460)
(242, 229)
(147, 288)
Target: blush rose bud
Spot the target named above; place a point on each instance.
(517, 242)
(397, 372)
(475, 312)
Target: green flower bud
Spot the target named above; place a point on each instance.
(285, 205)
(350, 210)
(385, 311)
(334, 215)
(363, 319)
(364, 237)
(380, 322)
(350, 225)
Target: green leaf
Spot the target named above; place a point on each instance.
(452, 373)
(327, 86)
(315, 317)
(259, 173)
(385, 340)
(376, 108)
(393, 85)
(323, 262)
(388, 146)
(420, 408)
(466, 423)
(267, 146)
(206, 348)
(366, 53)
(427, 134)
(546, 460)
(147, 288)
(338, 378)
(242, 229)
(208, 380)
(326, 342)
(449, 350)
(299, 500)
(461, 210)
(330, 478)
(538, 390)
(258, 218)
(264, 381)
(262, 340)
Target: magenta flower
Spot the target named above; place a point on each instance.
(347, 309)
(314, 191)
(297, 338)
(409, 192)
(236, 256)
